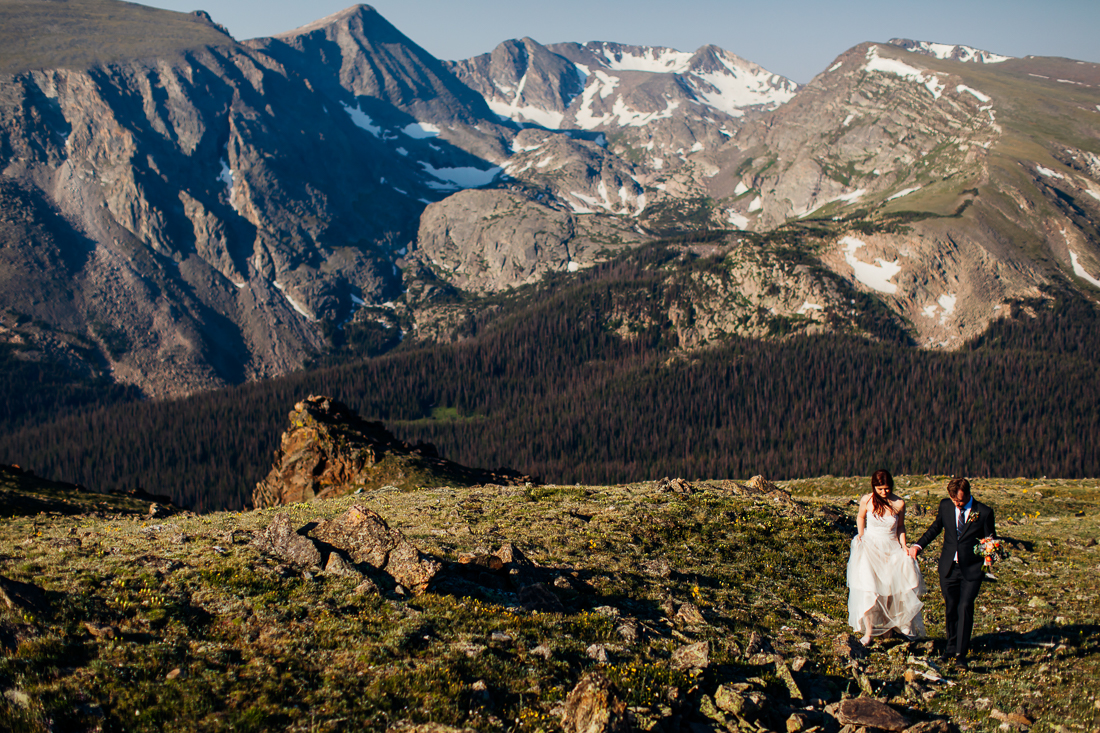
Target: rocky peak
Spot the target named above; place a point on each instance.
(374, 59)
(329, 451)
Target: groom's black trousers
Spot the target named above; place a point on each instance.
(958, 598)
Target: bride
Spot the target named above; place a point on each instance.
(884, 583)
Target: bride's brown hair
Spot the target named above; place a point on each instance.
(879, 505)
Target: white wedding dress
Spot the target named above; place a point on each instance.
(884, 582)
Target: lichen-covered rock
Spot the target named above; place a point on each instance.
(870, 713)
(366, 538)
(281, 541)
(594, 706)
(692, 656)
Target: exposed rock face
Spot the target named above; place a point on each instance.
(329, 450)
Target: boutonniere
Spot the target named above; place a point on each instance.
(973, 517)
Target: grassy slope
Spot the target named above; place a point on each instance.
(44, 34)
(204, 634)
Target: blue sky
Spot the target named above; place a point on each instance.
(795, 38)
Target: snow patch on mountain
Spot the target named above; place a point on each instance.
(906, 192)
(875, 276)
(657, 60)
(1080, 271)
(1048, 172)
(362, 120)
(886, 65)
(739, 85)
(301, 309)
(739, 221)
(949, 52)
(463, 177)
(421, 130)
(961, 88)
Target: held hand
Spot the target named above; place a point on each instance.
(914, 550)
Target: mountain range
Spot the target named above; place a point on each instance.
(180, 211)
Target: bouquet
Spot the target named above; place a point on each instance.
(991, 548)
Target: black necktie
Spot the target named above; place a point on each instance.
(962, 521)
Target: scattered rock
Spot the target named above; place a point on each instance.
(676, 485)
(100, 632)
(628, 631)
(732, 700)
(692, 656)
(761, 485)
(159, 511)
(848, 647)
(756, 645)
(690, 615)
(490, 563)
(784, 673)
(22, 596)
(593, 706)
(796, 723)
(939, 725)
(543, 650)
(870, 713)
(281, 541)
(509, 554)
(1015, 719)
(1037, 602)
(597, 652)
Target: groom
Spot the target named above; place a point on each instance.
(963, 521)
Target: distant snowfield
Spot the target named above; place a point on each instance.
(1080, 271)
(1048, 172)
(877, 277)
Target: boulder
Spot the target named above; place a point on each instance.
(281, 541)
(593, 706)
(366, 538)
(870, 713)
(692, 656)
(848, 647)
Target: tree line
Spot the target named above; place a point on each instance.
(547, 389)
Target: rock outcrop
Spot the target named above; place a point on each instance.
(357, 540)
(328, 451)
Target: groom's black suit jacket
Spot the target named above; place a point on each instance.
(979, 526)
